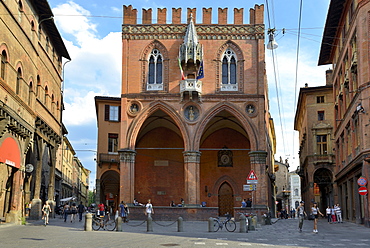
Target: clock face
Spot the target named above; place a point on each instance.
(29, 168)
(225, 159)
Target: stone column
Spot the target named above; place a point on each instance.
(36, 201)
(258, 164)
(16, 204)
(97, 192)
(192, 177)
(51, 187)
(350, 199)
(127, 175)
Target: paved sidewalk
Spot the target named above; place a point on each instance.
(284, 233)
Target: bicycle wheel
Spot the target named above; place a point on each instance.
(216, 225)
(110, 225)
(230, 225)
(95, 224)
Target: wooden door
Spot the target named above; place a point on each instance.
(225, 200)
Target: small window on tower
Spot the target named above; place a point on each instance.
(321, 115)
(320, 99)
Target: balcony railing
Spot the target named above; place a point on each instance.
(109, 158)
(229, 87)
(190, 85)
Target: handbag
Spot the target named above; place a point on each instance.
(311, 217)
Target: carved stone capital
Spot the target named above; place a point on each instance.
(127, 156)
(192, 156)
(258, 157)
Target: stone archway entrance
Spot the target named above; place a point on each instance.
(109, 188)
(225, 199)
(323, 188)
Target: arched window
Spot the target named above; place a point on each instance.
(33, 30)
(155, 74)
(19, 78)
(47, 44)
(52, 103)
(20, 6)
(38, 89)
(229, 67)
(30, 90)
(46, 94)
(4, 58)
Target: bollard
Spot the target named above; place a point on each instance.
(149, 224)
(119, 224)
(88, 222)
(243, 222)
(180, 224)
(250, 226)
(253, 223)
(210, 224)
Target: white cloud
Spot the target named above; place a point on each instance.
(95, 68)
(81, 110)
(115, 9)
(72, 19)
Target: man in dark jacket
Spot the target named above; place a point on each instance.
(80, 209)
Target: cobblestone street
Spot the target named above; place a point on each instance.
(283, 233)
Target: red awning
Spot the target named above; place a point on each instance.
(9, 153)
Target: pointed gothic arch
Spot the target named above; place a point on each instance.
(247, 125)
(136, 125)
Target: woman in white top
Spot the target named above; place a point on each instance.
(315, 211)
(149, 209)
(328, 213)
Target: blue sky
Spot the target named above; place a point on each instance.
(91, 30)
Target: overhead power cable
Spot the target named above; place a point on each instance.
(296, 70)
(275, 70)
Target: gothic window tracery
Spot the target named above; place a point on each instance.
(229, 67)
(155, 74)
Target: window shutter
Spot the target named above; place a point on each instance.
(106, 113)
(119, 113)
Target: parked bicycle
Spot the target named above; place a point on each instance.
(228, 223)
(104, 222)
(246, 220)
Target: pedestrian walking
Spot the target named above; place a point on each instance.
(149, 208)
(244, 204)
(301, 214)
(338, 213)
(315, 211)
(66, 210)
(328, 214)
(28, 208)
(81, 210)
(46, 210)
(124, 211)
(73, 212)
(333, 217)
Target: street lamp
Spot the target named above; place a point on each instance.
(271, 45)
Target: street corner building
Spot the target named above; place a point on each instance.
(333, 119)
(193, 117)
(31, 51)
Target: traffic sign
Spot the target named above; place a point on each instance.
(249, 187)
(362, 181)
(252, 175)
(252, 178)
(362, 191)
